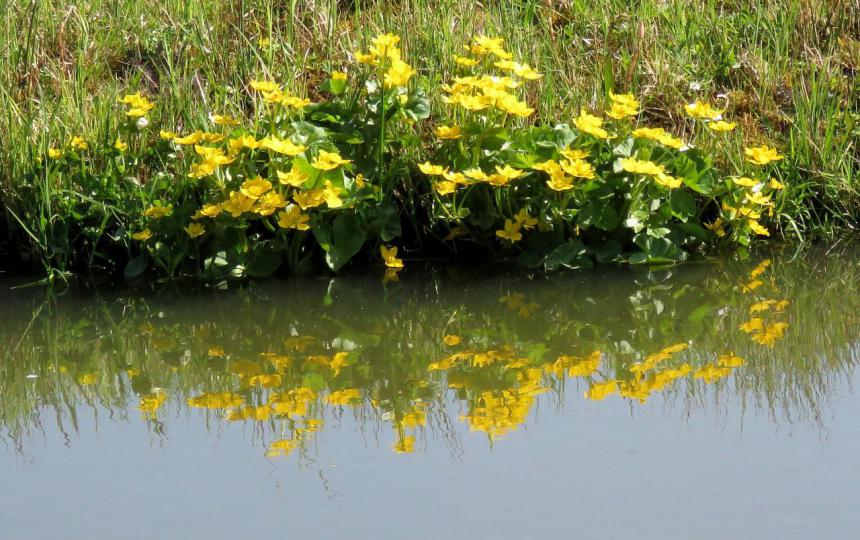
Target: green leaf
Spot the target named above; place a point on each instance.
(383, 222)
(135, 267)
(683, 204)
(600, 214)
(571, 254)
(347, 239)
(417, 106)
(656, 251)
(263, 261)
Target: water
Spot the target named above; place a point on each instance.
(608, 404)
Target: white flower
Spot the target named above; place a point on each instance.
(695, 87)
(142, 122)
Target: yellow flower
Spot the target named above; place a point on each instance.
(255, 187)
(717, 227)
(588, 123)
(509, 172)
(667, 181)
(574, 153)
(224, 120)
(775, 184)
(445, 187)
(703, 110)
(293, 218)
(138, 105)
(166, 135)
(386, 45)
(445, 132)
(237, 204)
(295, 178)
(54, 153)
(758, 228)
(282, 146)
(191, 138)
(578, 168)
(338, 76)
(195, 229)
(244, 141)
(744, 181)
(332, 195)
(721, 126)
(455, 177)
(465, 61)
(628, 100)
(78, 143)
(512, 105)
(758, 198)
(208, 210)
(559, 182)
(398, 74)
(215, 351)
(309, 199)
(476, 174)
(295, 102)
(158, 212)
(619, 111)
(483, 45)
(327, 161)
(143, 235)
(762, 155)
(430, 169)
(525, 220)
(368, 58)
(511, 232)
(119, 145)
(451, 340)
(265, 86)
(389, 255)
(660, 135)
(521, 70)
(637, 166)
(269, 202)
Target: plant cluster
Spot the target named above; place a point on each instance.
(294, 181)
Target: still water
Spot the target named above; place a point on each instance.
(714, 400)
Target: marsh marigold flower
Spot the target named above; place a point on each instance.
(293, 218)
(762, 155)
(445, 132)
(511, 232)
(143, 235)
(588, 123)
(389, 256)
(327, 161)
(195, 230)
(702, 110)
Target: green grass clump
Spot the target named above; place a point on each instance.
(786, 75)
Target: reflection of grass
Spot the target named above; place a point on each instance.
(103, 355)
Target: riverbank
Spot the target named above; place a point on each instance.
(333, 134)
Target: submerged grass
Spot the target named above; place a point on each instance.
(786, 72)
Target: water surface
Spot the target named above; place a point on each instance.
(712, 400)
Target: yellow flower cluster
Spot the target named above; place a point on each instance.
(138, 105)
(477, 93)
(384, 53)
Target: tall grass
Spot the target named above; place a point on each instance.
(787, 71)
